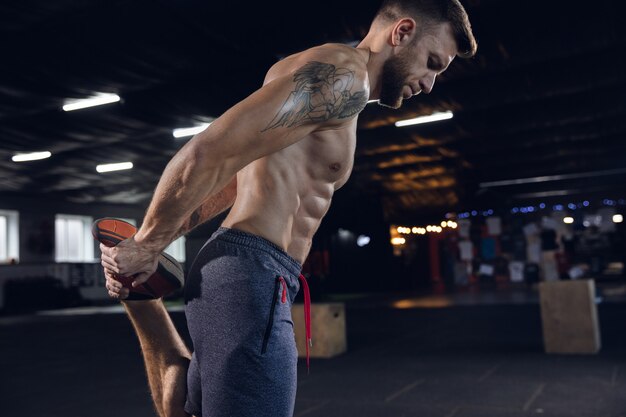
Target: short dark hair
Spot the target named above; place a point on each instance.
(435, 11)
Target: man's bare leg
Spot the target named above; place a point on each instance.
(165, 355)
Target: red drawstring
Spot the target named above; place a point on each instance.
(307, 318)
(284, 297)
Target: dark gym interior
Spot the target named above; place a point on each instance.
(478, 261)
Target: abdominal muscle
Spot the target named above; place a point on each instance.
(280, 198)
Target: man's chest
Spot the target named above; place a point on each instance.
(331, 154)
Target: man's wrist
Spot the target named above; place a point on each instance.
(154, 244)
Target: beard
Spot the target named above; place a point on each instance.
(394, 76)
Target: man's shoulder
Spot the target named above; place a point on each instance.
(329, 84)
(337, 56)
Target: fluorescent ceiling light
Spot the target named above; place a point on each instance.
(435, 117)
(97, 100)
(23, 157)
(114, 167)
(363, 240)
(189, 131)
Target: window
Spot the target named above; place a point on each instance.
(9, 236)
(73, 239)
(4, 239)
(177, 249)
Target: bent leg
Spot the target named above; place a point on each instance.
(165, 355)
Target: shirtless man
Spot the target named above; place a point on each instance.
(275, 159)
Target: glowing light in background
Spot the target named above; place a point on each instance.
(96, 100)
(363, 240)
(34, 156)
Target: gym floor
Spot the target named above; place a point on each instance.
(440, 356)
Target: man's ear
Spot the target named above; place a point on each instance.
(403, 31)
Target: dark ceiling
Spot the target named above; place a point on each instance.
(544, 97)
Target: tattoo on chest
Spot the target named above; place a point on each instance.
(322, 92)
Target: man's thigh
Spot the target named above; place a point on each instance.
(244, 360)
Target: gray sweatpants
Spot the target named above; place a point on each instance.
(238, 297)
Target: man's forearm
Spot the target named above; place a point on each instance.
(211, 207)
(189, 181)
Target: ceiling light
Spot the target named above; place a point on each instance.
(568, 220)
(363, 240)
(114, 167)
(435, 117)
(546, 178)
(97, 100)
(189, 131)
(23, 157)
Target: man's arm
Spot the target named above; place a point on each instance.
(210, 208)
(282, 112)
(279, 114)
(208, 162)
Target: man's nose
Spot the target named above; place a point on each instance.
(427, 83)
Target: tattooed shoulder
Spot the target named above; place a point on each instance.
(322, 92)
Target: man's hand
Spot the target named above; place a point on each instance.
(115, 288)
(127, 259)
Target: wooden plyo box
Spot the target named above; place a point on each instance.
(328, 329)
(569, 317)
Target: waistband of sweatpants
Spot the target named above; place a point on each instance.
(250, 240)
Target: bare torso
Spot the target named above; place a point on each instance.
(283, 197)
